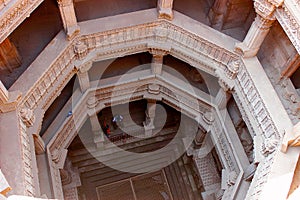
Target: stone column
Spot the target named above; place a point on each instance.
(259, 28)
(84, 80)
(68, 16)
(164, 8)
(150, 114)
(222, 98)
(216, 14)
(97, 130)
(157, 60)
(9, 56)
(83, 75)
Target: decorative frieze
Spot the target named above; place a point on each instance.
(290, 21)
(13, 17)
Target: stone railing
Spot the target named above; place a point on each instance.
(289, 18)
(174, 95)
(182, 38)
(13, 13)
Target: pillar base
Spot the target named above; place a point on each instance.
(72, 32)
(165, 13)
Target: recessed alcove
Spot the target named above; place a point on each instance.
(32, 36)
(93, 9)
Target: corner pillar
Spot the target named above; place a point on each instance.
(68, 16)
(259, 28)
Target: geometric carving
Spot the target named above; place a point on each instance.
(232, 69)
(80, 49)
(27, 116)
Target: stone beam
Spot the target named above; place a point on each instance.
(260, 27)
(9, 56)
(165, 9)
(68, 16)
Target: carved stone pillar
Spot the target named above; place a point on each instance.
(209, 175)
(222, 98)
(217, 13)
(97, 131)
(259, 28)
(68, 16)
(70, 181)
(9, 56)
(157, 60)
(150, 114)
(84, 80)
(164, 8)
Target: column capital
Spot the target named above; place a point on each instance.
(266, 8)
(158, 52)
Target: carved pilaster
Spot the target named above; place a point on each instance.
(259, 28)
(68, 16)
(164, 8)
(84, 80)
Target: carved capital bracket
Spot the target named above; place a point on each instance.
(59, 157)
(232, 69)
(156, 52)
(27, 116)
(80, 50)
